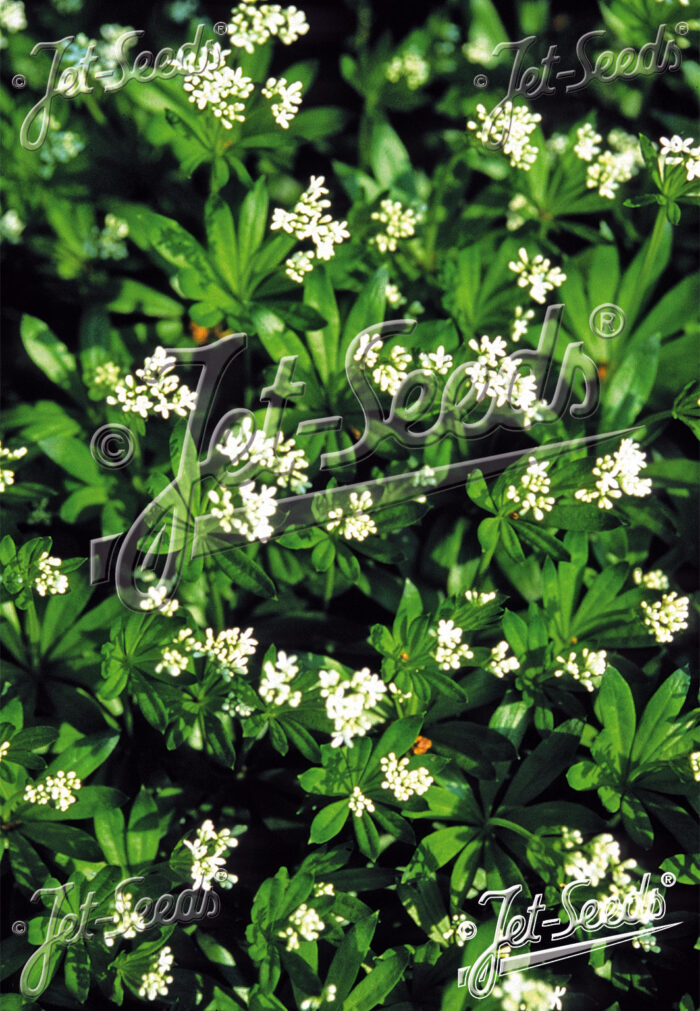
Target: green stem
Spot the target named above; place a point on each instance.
(330, 583)
(33, 632)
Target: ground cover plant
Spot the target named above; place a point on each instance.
(350, 491)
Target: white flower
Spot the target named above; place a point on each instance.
(252, 25)
(508, 127)
(615, 166)
(11, 226)
(436, 361)
(298, 265)
(402, 781)
(450, 651)
(521, 321)
(12, 18)
(600, 859)
(127, 923)
(304, 922)
(521, 993)
(667, 616)
(479, 599)
(289, 95)
(588, 668)
(355, 523)
(250, 518)
(394, 296)
(310, 220)
(49, 578)
(229, 649)
(7, 476)
(654, 580)
(177, 654)
(109, 241)
(694, 760)
(159, 391)
(287, 463)
(500, 663)
(520, 209)
(399, 221)
(538, 274)
(617, 474)
(454, 933)
(58, 790)
(157, 601)
(358, 803)
(4, 748)
(218, 87)
(275, 685)
(156, 982)
(410, 67)
(531, 493)
(208, 851)
(587, 142)
(349, 703)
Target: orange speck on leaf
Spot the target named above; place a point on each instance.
(422, 744)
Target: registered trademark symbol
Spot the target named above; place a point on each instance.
(220, 27)
(668, 879)
(682, 28)
(19, 927)
(19, 81)
(481, 81)
(607, 320)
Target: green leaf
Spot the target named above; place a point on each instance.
(143, 831)
(85, 755)
(659, 715)
(66, 839)
(614, 707)
(329, 821)
(50, 354)
(350, 955)
(379, 982)
(543, 765)
(109, 831)
(244, 573)
(252, 222)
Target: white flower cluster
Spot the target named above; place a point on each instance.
(521, 322)
(280, 456)
(393, 295)
(127, 923)
(357, 802)
(500, 663)
(617, 165)
(599, 858)
(305, 923)
(209, 855)
(58, 790)
(353, 523)
(349, 703)
(159, 390)
(156, 982)
(475, 597)
(588, 667)
(12, 19)
(110, 244)
(229, 650)
(450, 651)
(402, 781)
(496, 376)
(251, 516)
(49, 579)
(520, 210)
(327, 996)
(522, 993)
(218, 87)
(694, 760)
(654, 580)
(617, 474)
(438, 361)
(275, 685)
(508, 127)
(679, 151)
(11, 226)
(537, 273)
(410, 67)
(4, 748)
(667, 616)
(399, 221)
(310, 220)
(531, 492)
(289, 96)
(388, 375)
(7, 476)
(252, 25)
(587, 144)
(156, 600)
